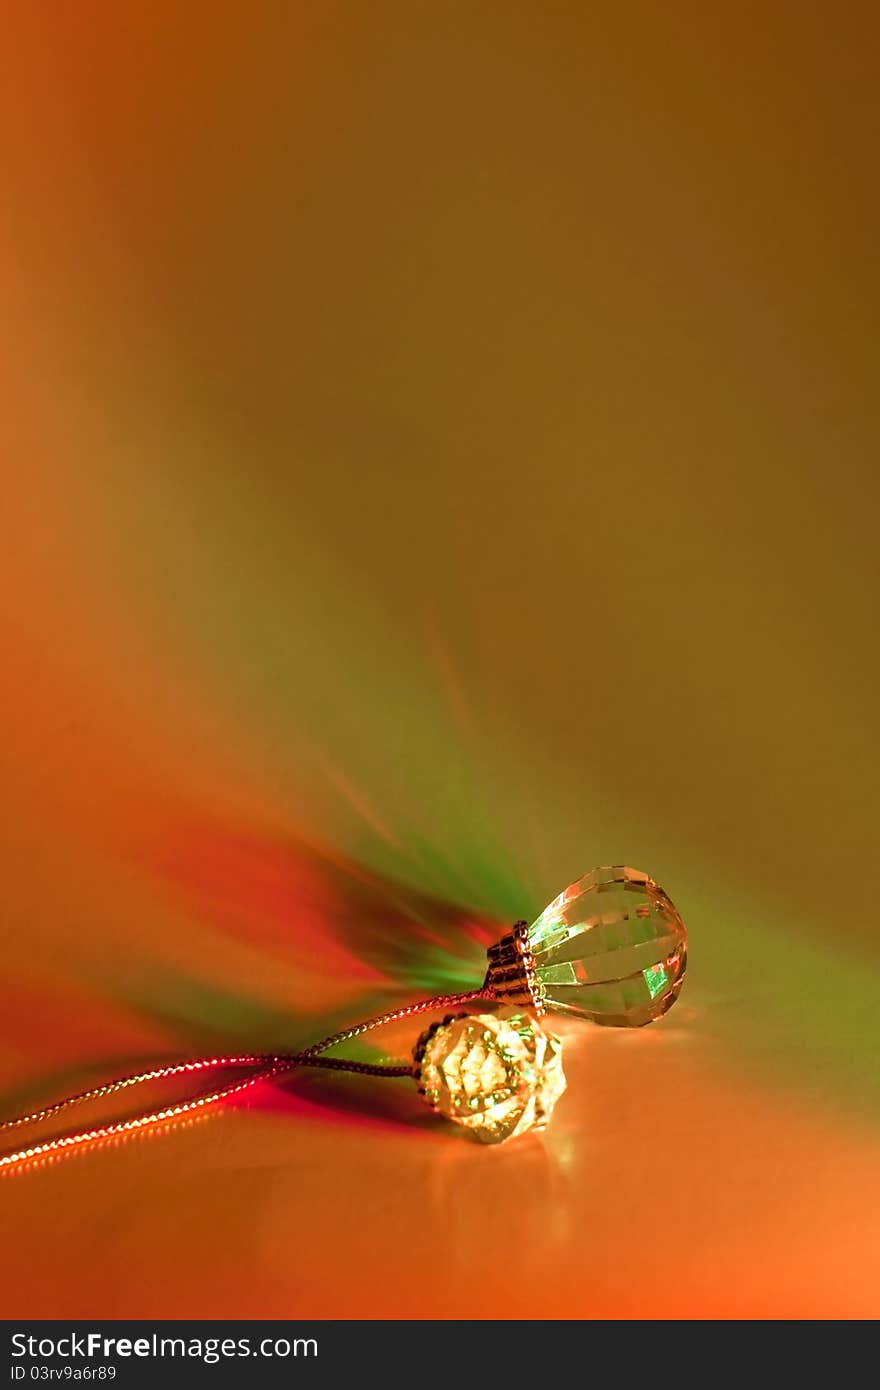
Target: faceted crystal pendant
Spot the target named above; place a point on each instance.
(611, 948)
(499, 1075)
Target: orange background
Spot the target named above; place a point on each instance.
(440, 456)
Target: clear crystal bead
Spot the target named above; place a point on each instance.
(611, 948)
(499, 1075)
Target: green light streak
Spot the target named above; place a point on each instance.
(655, 979)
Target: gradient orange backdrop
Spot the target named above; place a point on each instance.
(440, 455)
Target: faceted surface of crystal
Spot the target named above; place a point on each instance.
(611, 948)
(499, 1075)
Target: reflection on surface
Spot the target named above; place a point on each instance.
(514, 1196)
(45, 1162)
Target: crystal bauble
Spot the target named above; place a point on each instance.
(611, 948)
(499, 1075)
